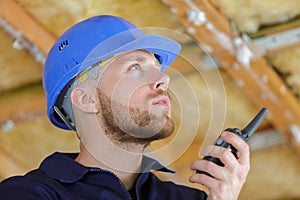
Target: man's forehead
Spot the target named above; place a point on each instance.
(137, 55)
(127, 58)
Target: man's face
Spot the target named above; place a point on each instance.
(135, 106)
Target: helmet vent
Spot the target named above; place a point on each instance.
(63, 45)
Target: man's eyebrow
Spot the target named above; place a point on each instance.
(137, 58)
(140, 59)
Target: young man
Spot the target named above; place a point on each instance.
(104, 79)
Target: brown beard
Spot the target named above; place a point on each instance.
(136, 128)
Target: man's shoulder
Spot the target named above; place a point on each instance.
(34, 176)
(33, 185)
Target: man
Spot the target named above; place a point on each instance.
(104, 79)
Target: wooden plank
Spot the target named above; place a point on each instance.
(22, 103)
(254, 76)
(31, 29)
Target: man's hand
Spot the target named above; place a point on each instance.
(228, 180)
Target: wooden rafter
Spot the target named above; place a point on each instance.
(31, 29)
(255, 77)
(18, 105)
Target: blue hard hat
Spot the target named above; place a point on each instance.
(89, 42)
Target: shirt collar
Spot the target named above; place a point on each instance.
(63, 167)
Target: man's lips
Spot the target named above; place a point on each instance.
(162, 101)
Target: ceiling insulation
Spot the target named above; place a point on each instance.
(287, 64)
(251, 15)
(57, 16)
(16, 72)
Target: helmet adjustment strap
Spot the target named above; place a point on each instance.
(63, 117)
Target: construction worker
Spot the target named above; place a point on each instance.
(104, 79)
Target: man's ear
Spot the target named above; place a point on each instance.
(84, 100)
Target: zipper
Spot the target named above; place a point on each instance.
(115, 176)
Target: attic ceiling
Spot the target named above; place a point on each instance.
(29, 27)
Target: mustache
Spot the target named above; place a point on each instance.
(158, 94)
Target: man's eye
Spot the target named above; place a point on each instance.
(134, 67)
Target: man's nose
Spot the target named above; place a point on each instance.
(162, 82)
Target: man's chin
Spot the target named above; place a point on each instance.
(160, 111)
(146, 138)
(165, 132)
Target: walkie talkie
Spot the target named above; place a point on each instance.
(245, 134)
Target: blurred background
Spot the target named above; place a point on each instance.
(238, 56)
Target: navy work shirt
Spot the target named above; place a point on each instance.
(60, 177)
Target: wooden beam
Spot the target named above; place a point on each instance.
(254, 76)
(19, 104)
(23, 21)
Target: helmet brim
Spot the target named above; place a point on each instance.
(165, 49)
